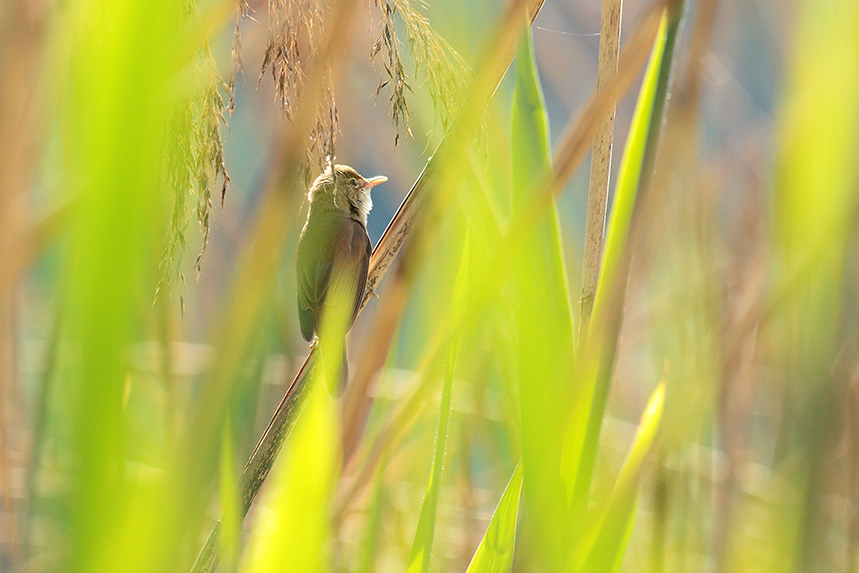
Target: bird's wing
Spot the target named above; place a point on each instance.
(351, 263)
(323, 259)
(363, 248)
(314, 261)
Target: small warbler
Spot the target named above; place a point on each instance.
(334, 251)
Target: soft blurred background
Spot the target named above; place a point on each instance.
(136, 379)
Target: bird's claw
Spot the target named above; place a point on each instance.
(314, 343)
(373, 292)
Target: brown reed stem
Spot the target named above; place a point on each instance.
(600, 164)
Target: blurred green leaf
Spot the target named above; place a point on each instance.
(819, 127)
(495, 552)
(421, 552)
(544, 314)
(610, 536)
(814, 221)
(815, 193)
(115, 108)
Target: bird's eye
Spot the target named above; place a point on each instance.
(353, 182)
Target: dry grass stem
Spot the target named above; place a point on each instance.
(600, 163)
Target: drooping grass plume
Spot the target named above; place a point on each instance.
(295, 30)
(444, 70)
(236, 55)
(194, 162)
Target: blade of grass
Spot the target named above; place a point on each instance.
(419, 556)
(495, 552)
(609, 545)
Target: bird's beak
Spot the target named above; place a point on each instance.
(373, 181)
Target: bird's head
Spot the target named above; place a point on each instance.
(349, 190)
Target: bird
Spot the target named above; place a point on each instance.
(334, 254)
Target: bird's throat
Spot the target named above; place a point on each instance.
(360, 208)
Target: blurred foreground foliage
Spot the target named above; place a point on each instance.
(707, 420)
